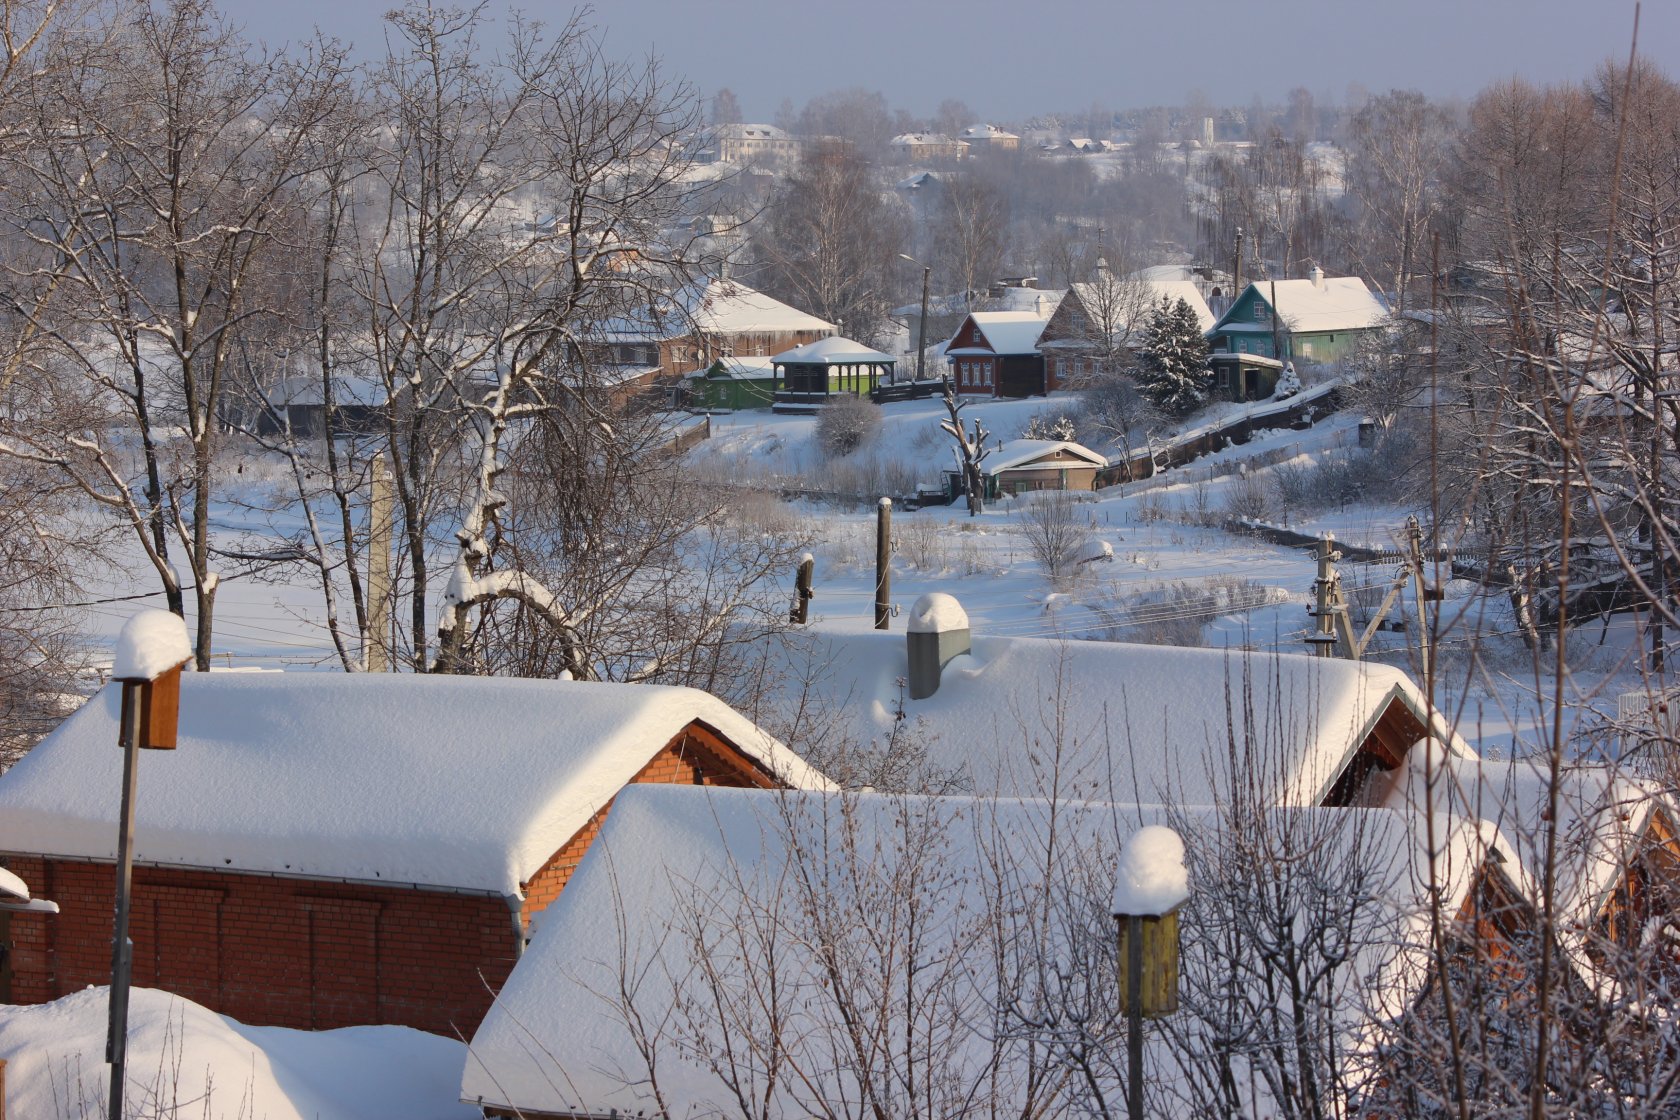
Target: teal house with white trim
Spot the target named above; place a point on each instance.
(1315, 321)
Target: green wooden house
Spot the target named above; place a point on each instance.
(1316, 321)
(731, 384)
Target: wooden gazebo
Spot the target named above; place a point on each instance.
(805, 377)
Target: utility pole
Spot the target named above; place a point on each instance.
(1277, 343)
(1333, 628)
(1414, 543)
(883, 559)
(921, 329)
(375, 655)
(1236, 269)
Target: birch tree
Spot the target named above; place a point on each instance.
(168, 154)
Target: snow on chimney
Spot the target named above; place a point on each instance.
(937, 632)
(1038, 306)
(1317, 276)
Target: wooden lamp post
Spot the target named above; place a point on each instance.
(151, 651)
(1149, 887)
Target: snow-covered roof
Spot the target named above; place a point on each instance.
(833, 350)
(677, 868)
(1332, 303)
(1125, 722)
(459, 782)
(711, 306)
(749, 132)
(1024, 452)
(987, 132)
(729, 307)
(1603, 813)
(923, 139)
(1007, 332)
(751, 368)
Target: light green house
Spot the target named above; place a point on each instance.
(807, 376)
(1315, 321)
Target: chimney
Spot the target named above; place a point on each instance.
(938, 631)
(1317, 276)
(1038, 306)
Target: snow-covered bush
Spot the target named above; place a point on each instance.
(1053, 530)
(846, 423)
(1289, 383)
(1248, 500)
(1048, 425)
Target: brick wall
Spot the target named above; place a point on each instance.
(309, 953)
(697, 757)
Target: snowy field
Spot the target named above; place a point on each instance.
(1175, 575)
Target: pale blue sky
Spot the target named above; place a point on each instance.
(1011, 59)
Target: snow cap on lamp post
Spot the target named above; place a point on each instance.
(151, 649)
(1151, 879)
(1150, 885)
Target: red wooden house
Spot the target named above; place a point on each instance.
(327, 850)
(995, 354)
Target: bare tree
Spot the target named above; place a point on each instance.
(168, 158)
(1050, 525)
(1399, 143)
(830, 238)
(969, 240)
(970, 449)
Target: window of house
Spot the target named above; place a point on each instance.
(1306, 349)
(1262, 313)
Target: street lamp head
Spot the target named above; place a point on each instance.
(150, 644)
(151, 650)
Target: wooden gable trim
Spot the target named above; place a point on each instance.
(1649, 881)
(1381, 746)
(1242, 308)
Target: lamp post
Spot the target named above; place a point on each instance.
(1149, 887)
(151, 650)
(921, 329)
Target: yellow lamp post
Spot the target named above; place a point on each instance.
(151, 651)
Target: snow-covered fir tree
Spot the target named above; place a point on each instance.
(1173, 359)
(1288, 384)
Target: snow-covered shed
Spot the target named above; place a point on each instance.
(324, 850)
(716, 944)
(1107, 720)
(1022, 465)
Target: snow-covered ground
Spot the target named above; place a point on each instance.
(1175, 576)
(184, 1060)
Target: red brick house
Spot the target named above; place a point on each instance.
(327, 850)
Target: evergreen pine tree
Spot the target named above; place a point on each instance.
(1173, 371)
